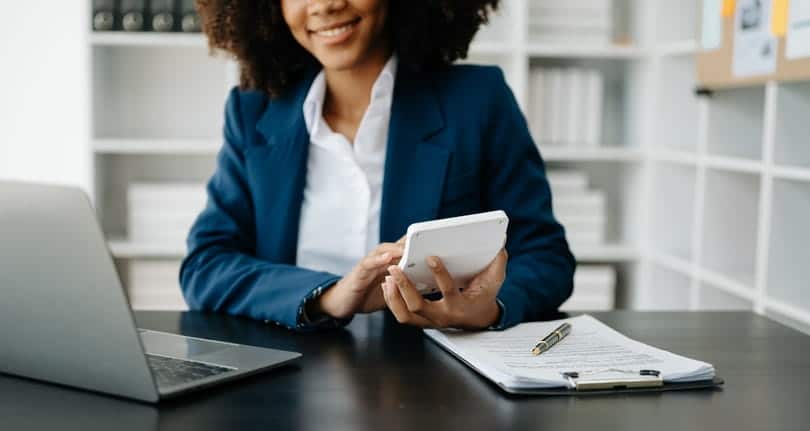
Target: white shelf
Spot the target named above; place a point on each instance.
(715, 188)
(688, 269)
(676, 157)
(727, 284)
(670, 292)
(791, 173)
(790, 129)
(605, 253)
(575, 154)
(674, 264)
(677, 48)
(152, 39)
(124, 249)
(733, 164)
(675, 21)
(677, 118)
(711, 297)
(730, 223)
(157, 146)
(674, 196)
(735, 122)
(549, 50)
(788, 310)
(789, 269)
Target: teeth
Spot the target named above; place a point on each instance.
(332, 32)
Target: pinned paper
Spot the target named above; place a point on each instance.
(728, 8)
(755, 47)
(779, 17)
(798, 34)
(712, 31)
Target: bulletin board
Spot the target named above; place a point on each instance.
(716, 63)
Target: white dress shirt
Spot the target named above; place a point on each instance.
(340, 214)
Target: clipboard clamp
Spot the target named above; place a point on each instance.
(613, 379)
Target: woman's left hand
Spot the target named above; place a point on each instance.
(474, 307)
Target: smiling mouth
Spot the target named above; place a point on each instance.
(338, 29)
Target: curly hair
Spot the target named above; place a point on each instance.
(425, 34)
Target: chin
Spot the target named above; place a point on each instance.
(339, 60)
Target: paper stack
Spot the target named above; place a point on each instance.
(162, 213)
(582, 211)
(593, 349)
(154, 285)
(594, 289)
(571, 21)
(566, 106)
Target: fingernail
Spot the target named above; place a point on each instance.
(383, 257)
(387, 279)
(392, 268)
(432, 262)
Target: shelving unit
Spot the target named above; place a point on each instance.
(708, 196)
(746, 181)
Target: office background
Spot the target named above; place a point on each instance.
(673, 200)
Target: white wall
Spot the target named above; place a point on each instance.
(44, 97)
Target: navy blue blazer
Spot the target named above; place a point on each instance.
(458, 144)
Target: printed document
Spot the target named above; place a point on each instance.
(591, 348)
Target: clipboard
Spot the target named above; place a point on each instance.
(608, 387)
(590, 384)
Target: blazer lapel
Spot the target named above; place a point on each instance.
(279, 169)
(415, 162)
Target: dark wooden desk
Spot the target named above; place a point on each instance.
(378, 375)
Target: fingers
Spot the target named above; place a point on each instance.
(399, 308)
(371, 266)
(443, 278)
(497, 269)
(413, 299)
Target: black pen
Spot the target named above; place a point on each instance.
(551, 339)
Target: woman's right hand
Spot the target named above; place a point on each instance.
(359, 291)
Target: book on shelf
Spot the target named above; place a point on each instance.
(574, 93)
(153, 285)
(555, 106)
(162, 213)
(594, 289)
(582, 211)
(571, 21)
(566, 106)
(593, 108)
(578, 238)
(565, 181)
(589, 202)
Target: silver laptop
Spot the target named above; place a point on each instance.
(64, 317)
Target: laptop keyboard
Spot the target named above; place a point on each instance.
(171, 372)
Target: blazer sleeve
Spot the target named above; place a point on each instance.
(221, 271)
(540, 268)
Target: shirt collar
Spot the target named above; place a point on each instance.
(313, 104)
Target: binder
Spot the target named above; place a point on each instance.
(189, 18)
(161, 14)
(131, 15)
(103, 15)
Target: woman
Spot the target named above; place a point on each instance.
(350, 124)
